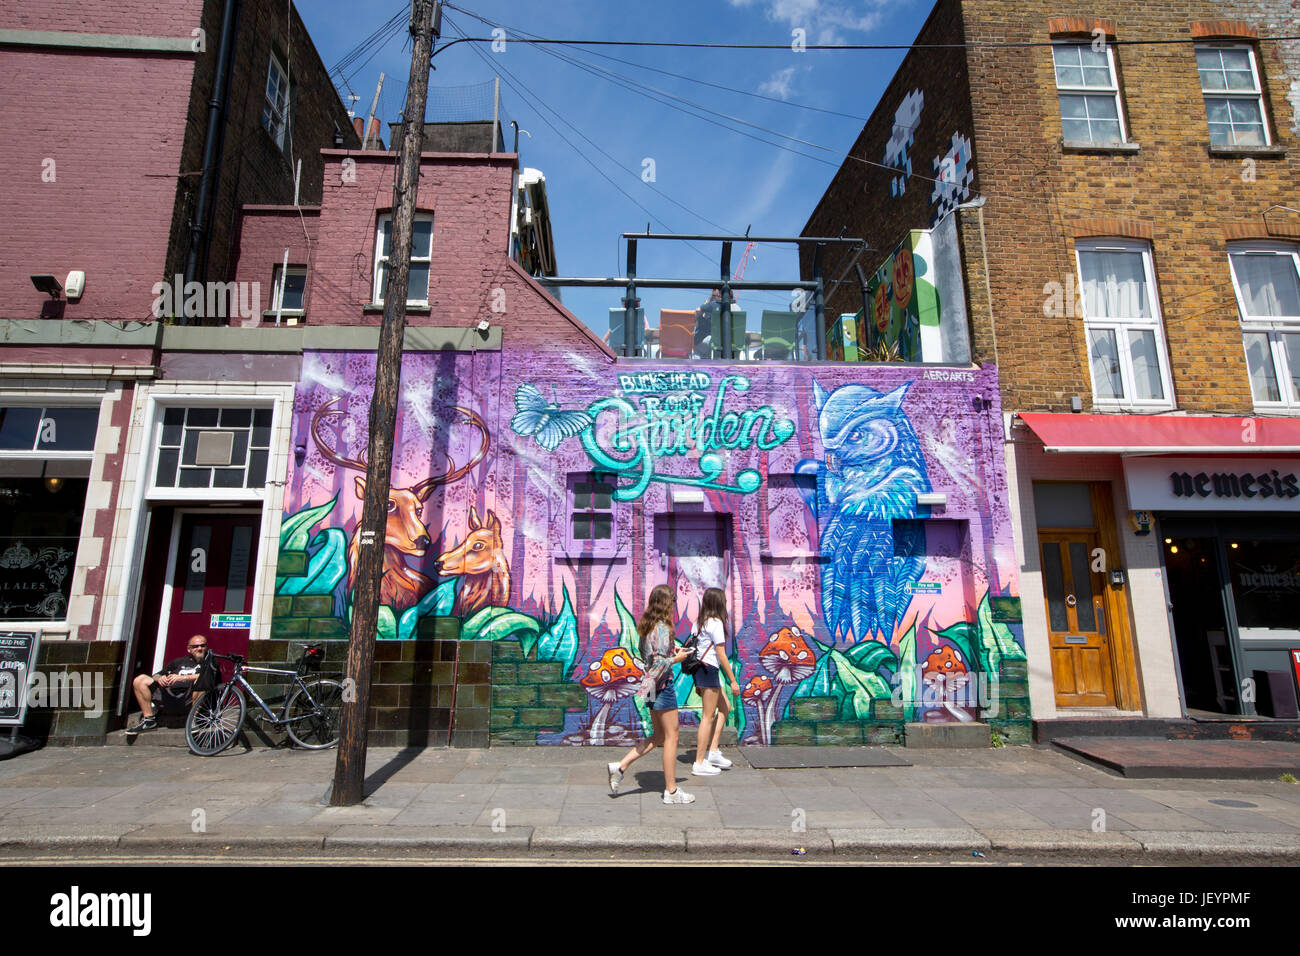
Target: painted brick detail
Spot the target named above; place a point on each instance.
(1067, 26)
(1206, 29)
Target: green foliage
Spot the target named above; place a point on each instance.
(984, 644)
(996, 740)
(499, 624)
(850, 677)
(437, 603)
(859, 688)
(870, 656)
(325, 569)
(386, 630)
(295, 529)
(560, 642)
(1289, 778)
(907, 670)
(630, 641)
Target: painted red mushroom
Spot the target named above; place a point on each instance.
(789, 659)
(616, 675)
(946, 674)
(758, 692)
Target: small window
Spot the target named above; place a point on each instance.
(1088, 94)
(591, 512)
(417, 288)
(1126, 347)
(1266, 277)
(1234, 104)
(275, 112)
(287, 296)
(53, 429)
(213, 448)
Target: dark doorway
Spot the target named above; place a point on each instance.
(1201, 629)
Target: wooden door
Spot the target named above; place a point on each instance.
(1076, 620)
(215, 567)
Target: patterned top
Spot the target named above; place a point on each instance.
(659, 654)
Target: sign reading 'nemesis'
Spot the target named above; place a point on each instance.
(1229, 485)
(1254, 484)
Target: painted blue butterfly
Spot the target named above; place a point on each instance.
(546, 421)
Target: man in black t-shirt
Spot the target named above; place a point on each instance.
(176, 686)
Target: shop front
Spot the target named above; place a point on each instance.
(1230, 535)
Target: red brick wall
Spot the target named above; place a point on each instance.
(119, 17)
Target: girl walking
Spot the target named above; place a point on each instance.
(656, 631)
(712, 628)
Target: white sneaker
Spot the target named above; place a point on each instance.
(716, 759)
(678, 796)
(615, 777)
(704, 770)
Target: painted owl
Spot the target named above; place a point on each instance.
(872, 473)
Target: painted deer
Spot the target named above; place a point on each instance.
(480, 562)
(405, 534)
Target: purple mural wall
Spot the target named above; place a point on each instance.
(539, 502)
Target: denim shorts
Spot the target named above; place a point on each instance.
(706, 678)
(667, 699)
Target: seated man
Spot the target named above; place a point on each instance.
(177, 686)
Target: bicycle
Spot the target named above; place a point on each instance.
(310, 713)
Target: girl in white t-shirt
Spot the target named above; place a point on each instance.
(712, 650)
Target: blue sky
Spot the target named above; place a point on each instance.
(705, 177)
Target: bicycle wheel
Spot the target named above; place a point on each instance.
(214, 720)
(312, 714)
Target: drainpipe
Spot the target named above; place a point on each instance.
(216, 103)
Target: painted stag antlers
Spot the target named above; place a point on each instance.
(405, 532)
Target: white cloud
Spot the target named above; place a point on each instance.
(779, 84)
(822, 20)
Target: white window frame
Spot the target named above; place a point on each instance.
(277, 290)
(1112, 90)
(1273, 326)
(275, 111)
(381, 259)
(1122, 326)
(1257, 94)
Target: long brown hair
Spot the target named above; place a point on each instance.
(659, 607)
(714, 604)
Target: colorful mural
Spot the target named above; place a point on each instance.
(954, 172)
(906, 120)
(854, 609)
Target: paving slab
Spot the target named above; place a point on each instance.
(608, 838)
(360, 836)
(861, 840)
(737, 841)
(1054, 841)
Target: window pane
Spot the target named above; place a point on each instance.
(196, 557)
(1248, 135)
(1054, 585)
(1072, 107)
(1102, 107)
(292, 295)
(166, 476)
(68, 429)
(1220, 134)
(196, 477)
(1216, 109)
(1105, 131)
(1259, 360)
(241, 546)
(1096, 76)
(39, 532)
(1146, 364)
(1114, 285)
(173, 420)
(1093, 58)
(1076, 131)
(256, 469)
(236, 417)
(1082, 586)
(1069, 75)
(602, 527)
(581, 527)
(1244, 112)
(1291, 346)
(421, 238)
(18, 428)
(1270, 285)
(202, 418)
(1105, 363)
(386, 234)
(381, 280)
(417, 289)
(228, 478)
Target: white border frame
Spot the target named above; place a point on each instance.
(1272, 327)
(1113, 89)
(377, 294)
(1235, 94)
(1122, 326)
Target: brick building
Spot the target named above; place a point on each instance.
(1129, 240)
(118, 144)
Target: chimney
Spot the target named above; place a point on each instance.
(375, 136)
(357, 124)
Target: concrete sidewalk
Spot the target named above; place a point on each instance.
(1016, 803)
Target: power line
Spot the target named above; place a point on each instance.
(678, 76)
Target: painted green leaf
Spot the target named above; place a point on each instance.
(1001, 635)
(820, 683)
(497, 624)
(387, 628)
(325, 569)
(737, 716)
(870, 656)
(630, 640)
(965, 635)
(862, 686)
(560, 643)
(437, 603)
(907, 670)
(296, 529)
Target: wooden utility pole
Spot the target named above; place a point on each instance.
(350, 767)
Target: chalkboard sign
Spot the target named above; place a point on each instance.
(17, 657)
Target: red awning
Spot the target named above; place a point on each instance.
(1164, 434)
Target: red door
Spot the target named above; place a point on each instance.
(216, 561)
